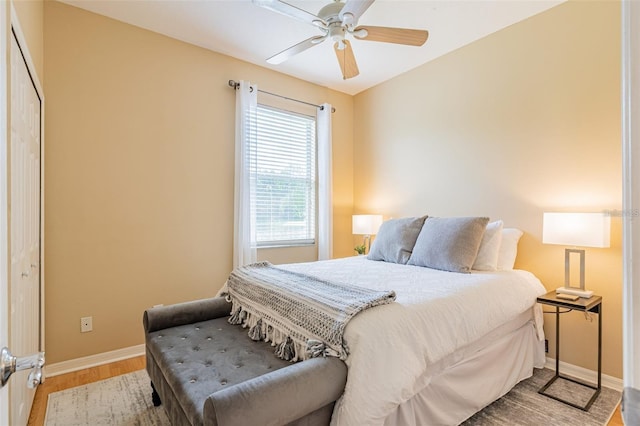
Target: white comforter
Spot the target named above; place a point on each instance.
(435, 314)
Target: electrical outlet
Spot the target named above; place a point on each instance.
(546, 345)
(86, 324)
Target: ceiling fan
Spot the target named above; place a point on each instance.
(337, 20)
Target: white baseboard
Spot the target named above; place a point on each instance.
(584, 374)
(92, 360)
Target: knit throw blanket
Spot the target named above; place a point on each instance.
(302, 316)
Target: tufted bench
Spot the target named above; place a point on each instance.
(208, 372)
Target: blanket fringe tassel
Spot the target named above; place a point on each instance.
(238, 316)
(285, 346)
(316, 348)
(256, 332)
(286, 350)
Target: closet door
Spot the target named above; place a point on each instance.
(24, 225)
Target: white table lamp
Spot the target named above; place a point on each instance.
(577, 230)
(367, 225)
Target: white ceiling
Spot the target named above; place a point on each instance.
(245, 31)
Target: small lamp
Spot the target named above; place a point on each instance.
(367, 225)
(576, 229)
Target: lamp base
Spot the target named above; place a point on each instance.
(586, 294)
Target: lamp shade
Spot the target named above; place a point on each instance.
(576, 229)
(366, 224)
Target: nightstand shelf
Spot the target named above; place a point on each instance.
(593, 305)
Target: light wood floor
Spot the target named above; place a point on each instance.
(78, 378)
(94, 374)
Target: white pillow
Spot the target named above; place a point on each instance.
(508, 248)
(487, 258)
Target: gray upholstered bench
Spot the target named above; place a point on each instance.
(208, 372)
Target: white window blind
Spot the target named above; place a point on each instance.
(285, 173)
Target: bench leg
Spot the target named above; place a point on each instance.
(155, 398)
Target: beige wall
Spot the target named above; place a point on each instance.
(140, 154)
(30, 16)
(140, 161)
(524, 121)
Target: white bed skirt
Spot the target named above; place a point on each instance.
(470, 384)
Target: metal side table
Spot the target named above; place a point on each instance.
(593, 305)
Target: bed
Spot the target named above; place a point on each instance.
(449, 345)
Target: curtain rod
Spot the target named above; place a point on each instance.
(235, 85)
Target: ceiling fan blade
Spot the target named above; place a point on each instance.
(392, 35)
(291, 11)
(346, 59)
(295, 49)
(353, 10)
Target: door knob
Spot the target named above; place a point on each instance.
(9, 364)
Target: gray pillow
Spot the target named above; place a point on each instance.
(395, 239)
(449, 243)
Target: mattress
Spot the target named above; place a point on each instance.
(437, 314)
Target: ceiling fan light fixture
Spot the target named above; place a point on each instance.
(336, 32)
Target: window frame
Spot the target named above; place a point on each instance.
(313, 227)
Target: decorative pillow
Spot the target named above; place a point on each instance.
(487, 259)
(395, 239)
(508, 248)
(449, 244)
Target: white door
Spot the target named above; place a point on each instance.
(24, 229)
(20, 223)
(4, 287)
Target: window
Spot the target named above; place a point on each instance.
(285, 173)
